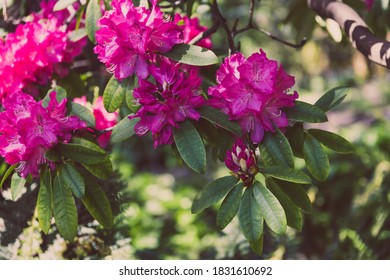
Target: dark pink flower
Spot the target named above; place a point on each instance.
(28, 130)
(242, 162)
(173, 97)
(369, 4)
(192, 28)
(253, 91)
(34, 52)
(103, 118)
(129, 37)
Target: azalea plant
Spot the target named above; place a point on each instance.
(166, 81)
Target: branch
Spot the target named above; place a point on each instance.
(376, 49)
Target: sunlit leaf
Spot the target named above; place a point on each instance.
(45, 201)
(17, 185)
(192, 55)
(190, 146)
(213, 192)
(124, 129)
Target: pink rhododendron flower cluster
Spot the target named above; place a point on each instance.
(129, 38)
(242, 162)
(192, 28)
(369, 4)
(28, 130)
(103, 118)
(171, 99)
(253, 91)
(35, 51)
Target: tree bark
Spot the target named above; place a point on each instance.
(374, 48)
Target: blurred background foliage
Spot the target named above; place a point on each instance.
(151, 192)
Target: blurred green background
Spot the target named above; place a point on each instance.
(152, 192)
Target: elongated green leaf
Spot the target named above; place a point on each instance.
(271, 209)
(293, 214)
(332, 98)
(124, 129)
(192, 55)
(17, 185)
(96, 202)
(92, 14)
(52, 155)
(129, 84)
(250, 217)
(332, 141)
(229, 206)
(45, 201)
(220, 119)
(60, 95)
(65, 211)
(286, 174)
(102, 170)
(190, 146)
(6, 175)
(295, 136)
(315, 157)
(72, 179)
(83, 151)
(297, 194)
(213, 192)
(306, 112)
(275, 149)
(77, 34)
(114, 94)
(257, 246)
(63, 4)
(83, 113)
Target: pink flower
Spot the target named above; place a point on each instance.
(192, 28)
(129, 37)
(369, 4)
(172, 98)
(253, 91)
(33, 53)
(28, 130)
(103, 118)
(242, 162)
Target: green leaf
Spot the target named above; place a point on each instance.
(293, 214)
(213, 192)
(97, 204)
(306, 112)
(45, 201)
(275, 149)
(297, 194)
(124, 129)
(92, 14)
(271, 209)
(83, 113)
(83, 151)
(286, 174)
(332, 141)
(190, 146)
(72, 179)
(332, 98)
(316, 158)
(102, 170)
(6, 175)
(60, 95)
(65, 211)
(229, 206)
(52, 155)
(192, 55)
(62, 4)
(114, 94)
(250, 217)
(77, 34)
(295, 136)
(220, 119)
(129, 85)
(17, 185)
(257, 246)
